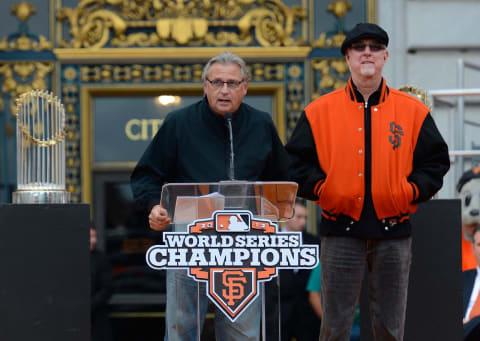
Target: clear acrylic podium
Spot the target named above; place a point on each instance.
(272, 201)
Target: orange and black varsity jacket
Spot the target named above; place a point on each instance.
(367, 164)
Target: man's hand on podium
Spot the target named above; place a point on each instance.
(158, 218)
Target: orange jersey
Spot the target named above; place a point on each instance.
(468, 259)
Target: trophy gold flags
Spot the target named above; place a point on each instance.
(40, 149)
(417, 92)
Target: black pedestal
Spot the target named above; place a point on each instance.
(434, 308)
(45, 275)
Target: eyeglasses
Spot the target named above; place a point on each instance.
(360, 47)
(218, 84)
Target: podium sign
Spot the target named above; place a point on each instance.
(232, 252)
(225, 235)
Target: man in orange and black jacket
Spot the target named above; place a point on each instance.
(367, 154)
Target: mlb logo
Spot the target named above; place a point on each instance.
(233, 221)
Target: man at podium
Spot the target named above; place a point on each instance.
(194, 145)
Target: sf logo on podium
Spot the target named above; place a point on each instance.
(234, 281)
(232, 252)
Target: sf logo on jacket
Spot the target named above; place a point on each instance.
(232, 252)
(397, 132)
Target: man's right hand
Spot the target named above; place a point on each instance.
(158, 218)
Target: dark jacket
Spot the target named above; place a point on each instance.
(101, 291)
(367, 164)
(468, 279)
(471, 329)
(192, 145)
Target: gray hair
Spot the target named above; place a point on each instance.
(226, 58)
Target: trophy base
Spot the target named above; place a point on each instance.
(41, 197)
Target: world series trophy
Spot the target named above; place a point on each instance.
(40, 149)
(418, 93)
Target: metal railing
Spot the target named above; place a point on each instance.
(458, 153)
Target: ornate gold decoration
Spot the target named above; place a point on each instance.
(69, 73)
(22, 41)
(24, 69)
(175, 53)
(72, 142)
(16, 75)
(295, 104)
(25, 43)
(418, 93)
(127, 23)
(339, 8)
(331, 75)
(23, 10)
(334, 41)
(295, 95)
(151, 73)
(340, 66)
(20, 77)
(294, 71)
(260, 71)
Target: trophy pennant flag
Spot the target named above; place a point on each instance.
(40, 149)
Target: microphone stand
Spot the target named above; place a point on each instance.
(231, 168)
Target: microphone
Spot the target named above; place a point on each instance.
(231, 168)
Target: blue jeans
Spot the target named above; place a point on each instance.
(343, 262)
(355, 333)
(181, 315)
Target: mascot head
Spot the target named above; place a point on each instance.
(468, 188)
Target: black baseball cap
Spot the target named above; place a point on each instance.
(363, 31)
(467, 176)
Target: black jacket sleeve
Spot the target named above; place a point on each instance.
(430, 161)
(304, 166)
(155, 166)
